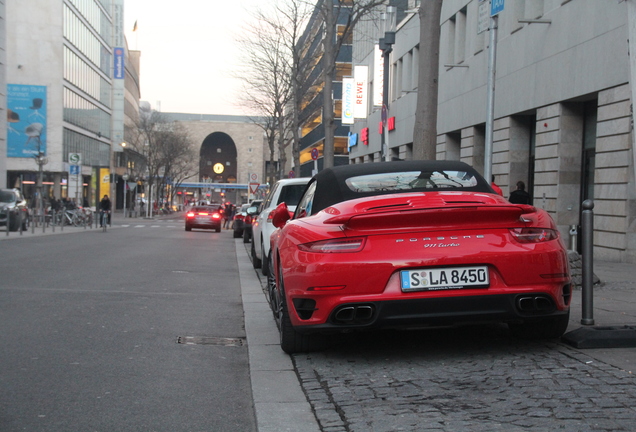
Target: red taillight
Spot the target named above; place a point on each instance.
(203, 214)
(190, 214)
(355, 244)
(216, 216)
(533, 235)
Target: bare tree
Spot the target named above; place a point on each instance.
(339, 19)
(266, 84)
(292, 20)
(425, 130)
(160, 147)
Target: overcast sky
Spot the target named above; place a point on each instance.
(188, 52)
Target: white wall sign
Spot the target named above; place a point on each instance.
(348, 100)
(378, 76)
(361, 77)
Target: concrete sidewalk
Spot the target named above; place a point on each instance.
(614, 306)
(279, 400)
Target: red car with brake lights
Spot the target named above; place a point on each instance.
(205, 217)
(409, 245)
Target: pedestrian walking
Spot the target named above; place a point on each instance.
(520, 196)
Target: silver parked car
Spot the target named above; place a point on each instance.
(13, 209)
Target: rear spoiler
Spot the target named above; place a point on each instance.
(470, 216)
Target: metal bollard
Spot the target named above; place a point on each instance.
(573, 235)
(587, 245)
(8, 221)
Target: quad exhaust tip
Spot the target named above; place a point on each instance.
(535, 304)
(360, 314)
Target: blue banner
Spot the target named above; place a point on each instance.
(119, 71)
(26, 120)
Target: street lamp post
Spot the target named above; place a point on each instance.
(386, 45)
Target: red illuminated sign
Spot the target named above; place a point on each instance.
(391, 124)
(364, 136)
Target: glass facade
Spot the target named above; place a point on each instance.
(88, 86)
(94, 152)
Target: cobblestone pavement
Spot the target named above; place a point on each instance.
(478, 379)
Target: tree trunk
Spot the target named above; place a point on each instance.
(425, 130)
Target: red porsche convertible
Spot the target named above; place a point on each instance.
(413, 244)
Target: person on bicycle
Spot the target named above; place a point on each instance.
(104, 207)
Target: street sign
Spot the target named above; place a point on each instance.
(254, 187)
(384, 116)
(496, 6)
(132, 186)
(291, 174)
(314, 154)
(483, 16)
(74, 169)
(254, 178)
(75, 158)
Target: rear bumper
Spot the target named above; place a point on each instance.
(438, 312)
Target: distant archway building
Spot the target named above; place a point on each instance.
(231, 151)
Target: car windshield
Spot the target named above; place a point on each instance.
(7, 197)
(411, 180)
(290, 194)
(205, 209)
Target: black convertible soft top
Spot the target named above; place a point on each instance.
(331, 185)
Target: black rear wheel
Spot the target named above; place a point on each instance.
(292, 341)
(256, 263)
(264, 268)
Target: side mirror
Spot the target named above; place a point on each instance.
(280, 215)
(252, 211)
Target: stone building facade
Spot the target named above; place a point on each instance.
(563, 108)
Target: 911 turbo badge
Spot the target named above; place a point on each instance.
(440, 245)
(413, 240)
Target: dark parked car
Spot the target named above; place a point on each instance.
(13, 209)
(238, 221)
(251, 214)
(206, 217)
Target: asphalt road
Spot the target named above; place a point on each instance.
(136, 329)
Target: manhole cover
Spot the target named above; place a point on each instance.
(205, 340)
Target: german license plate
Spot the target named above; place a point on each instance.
(436, 279)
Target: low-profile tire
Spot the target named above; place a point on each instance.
(264, 267)
(188, 228)
(218, 229)
(256, 263)
(246, 236)
(237, 234)
(271, 286)
(292, 341)
(547, 328)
